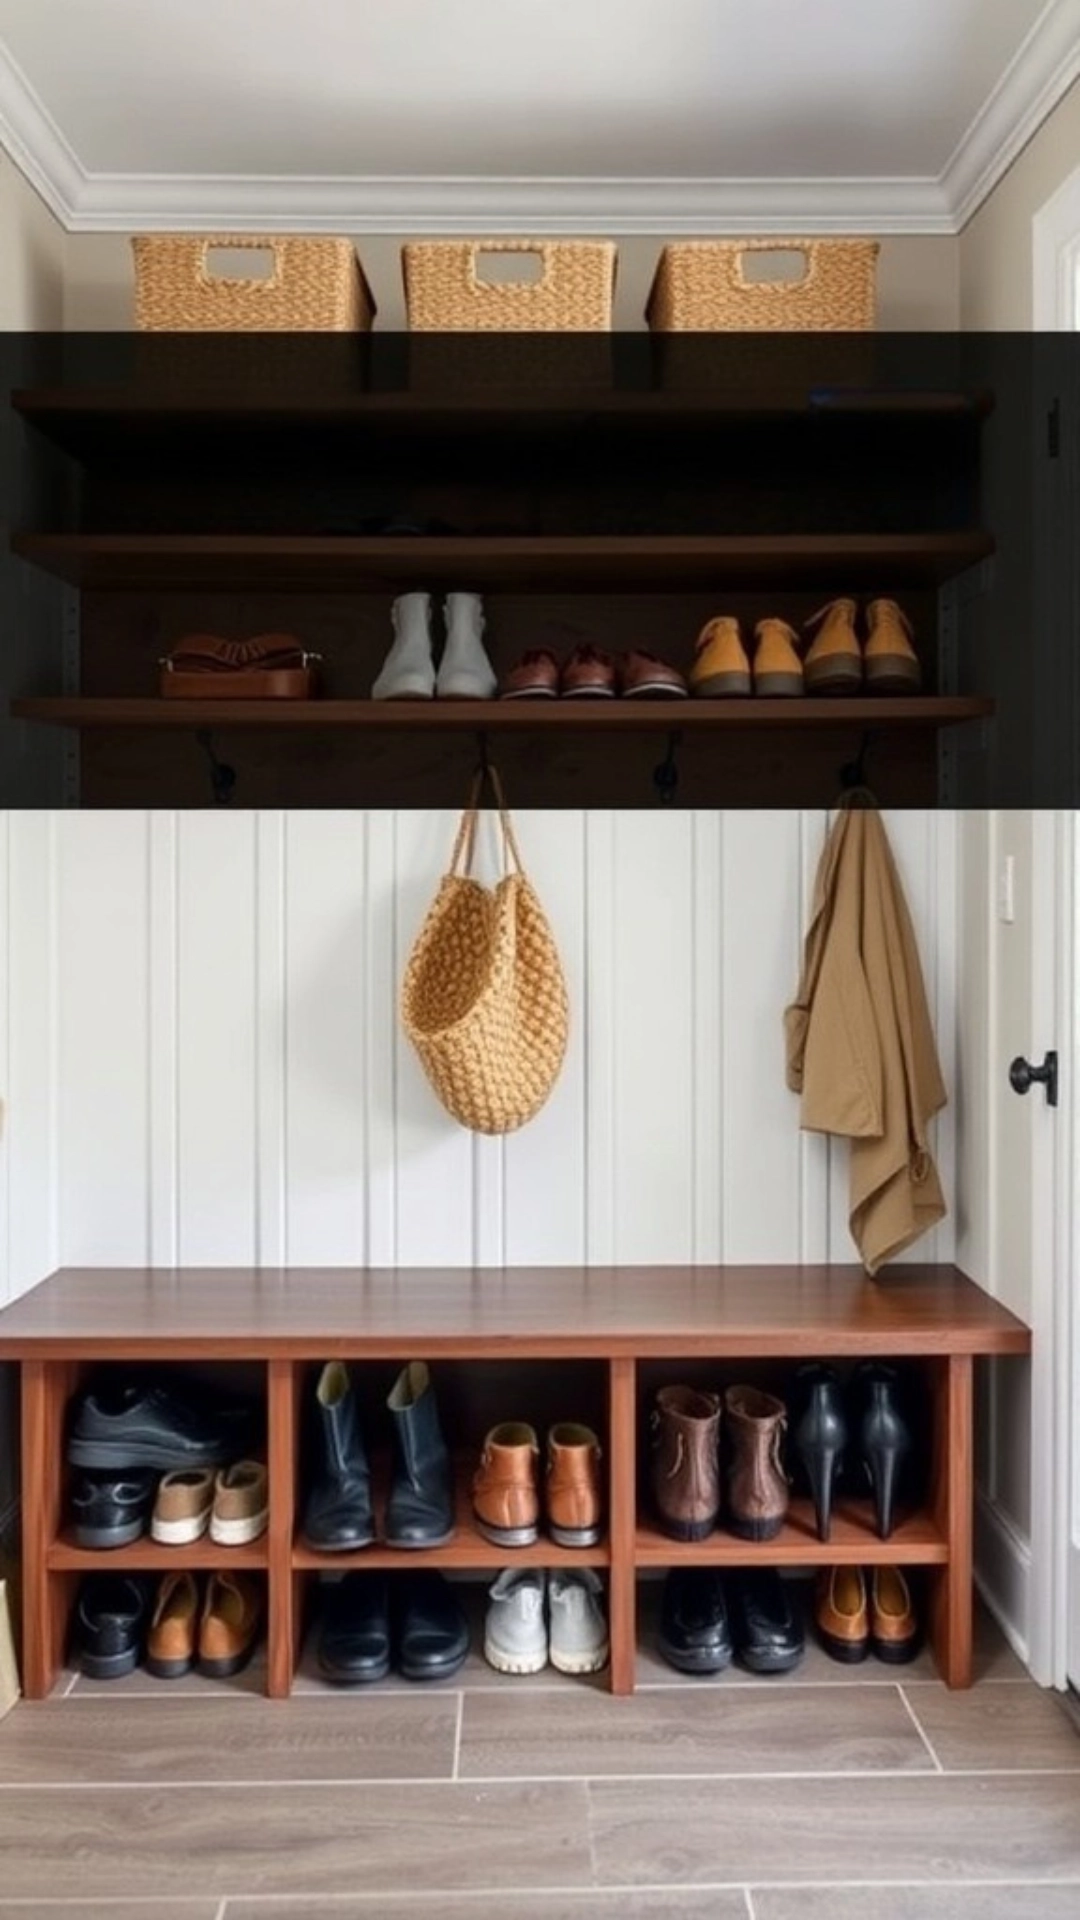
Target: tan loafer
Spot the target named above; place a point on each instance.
(170, 1644)
(894, 1627)
(842, 1614)
(572, 1492)
(892, 664)
(506, 1500)
(721, 669)
(229, 1626)
(834, 662)
(182, 1509)
(241, 1504)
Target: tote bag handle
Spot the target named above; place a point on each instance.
(465, 843)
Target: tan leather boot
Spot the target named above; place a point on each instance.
(686, 1462)
(757, 1488)
(778, 670)
(834, 663)
(506, 1502)
(892, 665)
(721, 667)
(572, 1493)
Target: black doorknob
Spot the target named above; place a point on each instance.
(1023, 1076)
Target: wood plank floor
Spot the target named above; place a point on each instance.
(822, 1795)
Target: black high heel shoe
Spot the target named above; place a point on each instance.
(884, 1437)
(819, 1434)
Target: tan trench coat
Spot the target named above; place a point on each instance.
(860, 1047)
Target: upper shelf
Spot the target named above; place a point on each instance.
(88, 421)
(537, 563)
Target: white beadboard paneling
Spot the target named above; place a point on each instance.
(163, 1038)
(218, 1184)
(434, 1155)
(543, 1218)
(33, 1165)
(5, 1072)
(814, 1149)
(601, 1043)
(324, 1029)
(104, 1169)
(652, 1005)
(271, 1041)
(707, 1044)
(379, 1001)
(760, 1166)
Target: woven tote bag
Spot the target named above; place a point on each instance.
(483, 999)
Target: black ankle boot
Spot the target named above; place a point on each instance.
(819, 1433)
(420, 1511)
(337, 1514)
(884, 1437)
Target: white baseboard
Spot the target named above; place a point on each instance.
(1003, 1570)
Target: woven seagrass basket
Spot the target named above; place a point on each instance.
(483, 999)
(446, 293)
(315, 285)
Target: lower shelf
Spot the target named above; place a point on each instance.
(854, 1541)
(152, 1556)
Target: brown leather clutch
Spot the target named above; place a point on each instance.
(272, 666)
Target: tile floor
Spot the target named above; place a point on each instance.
(830, 1794)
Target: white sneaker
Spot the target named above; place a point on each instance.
(515, 1636)
(408, 672)
(465, 672)
(579, 1635)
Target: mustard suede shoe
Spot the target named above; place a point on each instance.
(778, 671)
(892, 665)
(834, 663)
(721, 668)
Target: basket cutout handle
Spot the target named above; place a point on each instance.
(535, 252)
(465, 842)
(219, 264)
(787, 284)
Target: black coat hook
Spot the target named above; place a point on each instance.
(222, 777)
(666, 775)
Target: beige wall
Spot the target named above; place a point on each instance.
(996, 279)
(32, 246)
(919, 281)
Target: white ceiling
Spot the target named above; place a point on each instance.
(564, 113)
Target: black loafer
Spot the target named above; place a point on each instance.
(432, 1631)
(129, 1425)
(354, 1638)
(110, 1625)
(110, 1510)
(694, 1633)
(767, 1630)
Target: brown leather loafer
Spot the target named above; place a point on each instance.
(506, 1501)
(842, 1614)
(589, 674)
(229, 1626)
(572, 1492)
(536, 677)
(170, 1645)
(641, 676)
(894, 1628)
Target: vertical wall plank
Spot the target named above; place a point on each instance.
(325, 1023)
(31, 1116)
(761, 1147)
(103, 1147)
(601, 968)
(434, 1155)
(544, 1183)
(217, 1138)
(814, 1148)
(271, 1040)
(653, 1014)
(5, 1057)
(163, 1039)
(706, 1062)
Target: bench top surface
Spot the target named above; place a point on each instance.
(197, 1312)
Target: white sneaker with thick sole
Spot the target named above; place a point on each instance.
(465, 672)
(515, 1636)
(408, 672)
(579, 1635)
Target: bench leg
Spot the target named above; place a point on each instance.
(951, 1498)
(622, 1585)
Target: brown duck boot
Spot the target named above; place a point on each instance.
(506, 1502)
(572, 1493)
(834, 663)
(757, 1486)
(892, 665)
(686, 1462)
(778, 671)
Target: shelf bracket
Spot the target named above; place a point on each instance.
(222, 777)
(666, 775)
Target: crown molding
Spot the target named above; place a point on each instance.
(1036, 80)
(1039, 76)
(525, 206)
(30, 135)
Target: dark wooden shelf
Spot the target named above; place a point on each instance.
(539, 563)
(506, 716)
(915, 1541)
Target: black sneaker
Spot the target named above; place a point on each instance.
(131, 1425)
(110, 1625)
(766, 1623)
(111, 1509)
